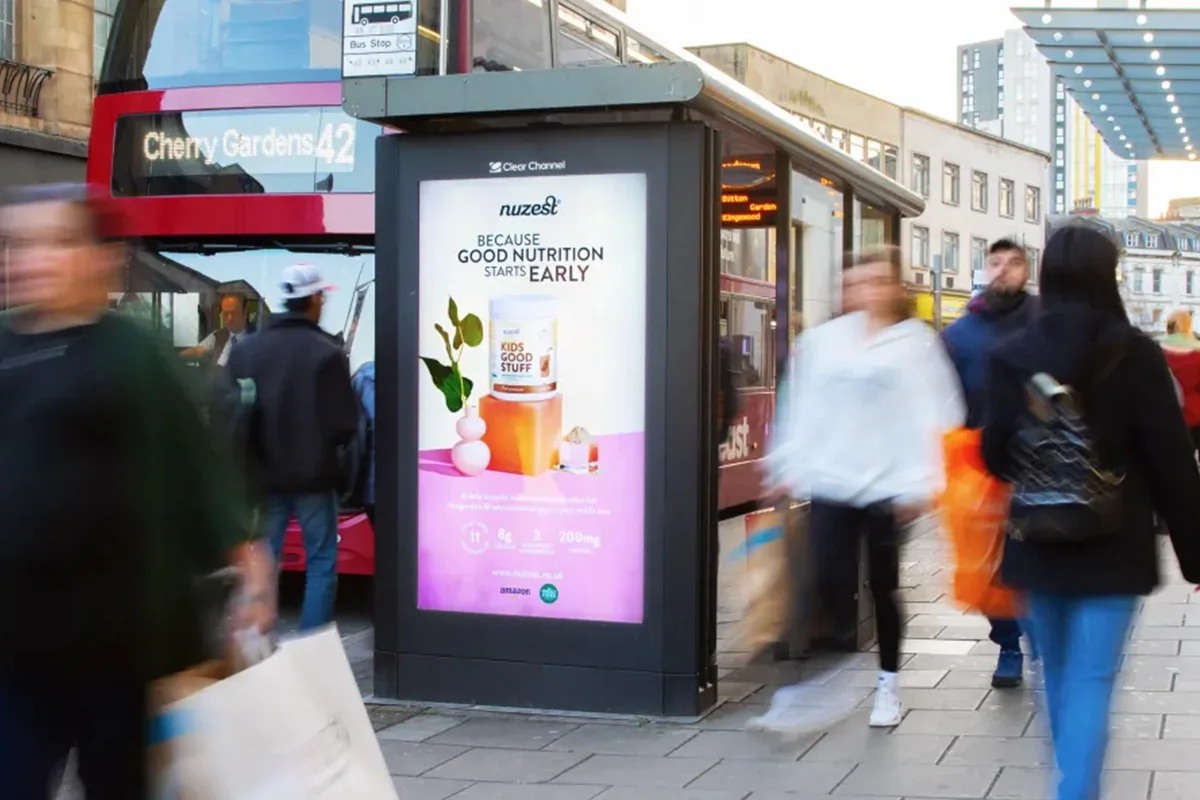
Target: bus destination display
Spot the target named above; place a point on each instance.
(274, 150)
(274, 141)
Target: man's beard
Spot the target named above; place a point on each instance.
(1003, 298)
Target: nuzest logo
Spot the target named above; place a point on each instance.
(547, 208)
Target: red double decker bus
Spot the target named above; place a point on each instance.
(218, 130)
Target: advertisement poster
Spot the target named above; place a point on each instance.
(532, 396)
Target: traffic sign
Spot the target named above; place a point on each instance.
(379, 39)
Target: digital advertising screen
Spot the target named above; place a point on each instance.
(532, 396)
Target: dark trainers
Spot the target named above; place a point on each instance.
(1010, 670)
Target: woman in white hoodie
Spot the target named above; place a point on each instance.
(859, 431)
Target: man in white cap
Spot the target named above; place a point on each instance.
(305, 412)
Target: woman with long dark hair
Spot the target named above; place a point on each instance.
(1082, 418)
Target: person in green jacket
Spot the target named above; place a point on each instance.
(115, 508)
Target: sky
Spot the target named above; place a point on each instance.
(901, 50)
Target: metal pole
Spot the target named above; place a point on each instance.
(937, 292)
(444, 37)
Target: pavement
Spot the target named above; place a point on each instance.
(959, 738)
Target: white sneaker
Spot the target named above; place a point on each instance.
(800, 710)
(888, 710)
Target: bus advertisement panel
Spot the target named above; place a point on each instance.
(531, 407)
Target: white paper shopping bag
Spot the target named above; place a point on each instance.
(283, 729)
(320, 661)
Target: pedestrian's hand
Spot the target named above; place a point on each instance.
(257, 608)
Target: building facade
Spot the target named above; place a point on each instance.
(979, 188)
(915, 148)
(49, 54)
(1030, 106)
(1159, 267)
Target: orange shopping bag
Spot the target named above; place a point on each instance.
(974, 508)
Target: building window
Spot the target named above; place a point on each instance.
(950, 252)
(891, 161)
(1007, 188)
(837, 138)
(979, 251)
(1137, 280)
(979, 193)
(966, 62)
(950, 183)
(920, 246)
(1131, 240)
(1034, 257)
(1156, 281)
(1191, 282)
(1033, 204)
(1152, 240)
(875, 154)
(976, 59)
(858, 147)
(920, 175)
(8, 29)
(102, 18)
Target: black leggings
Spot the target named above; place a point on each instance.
(836, 533)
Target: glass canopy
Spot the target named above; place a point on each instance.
(1134, 72)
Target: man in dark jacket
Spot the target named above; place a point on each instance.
(305, 413)
(1000, 309)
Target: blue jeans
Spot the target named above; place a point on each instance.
(1081, 639)
(318, 518)
(41, 721)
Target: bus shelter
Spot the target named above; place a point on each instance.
(556, 280)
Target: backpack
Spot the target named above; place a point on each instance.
(1061, 491)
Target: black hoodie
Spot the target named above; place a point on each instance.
(1134, 415)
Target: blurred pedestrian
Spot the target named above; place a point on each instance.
(859, 427)
(1003, 307)
(1089, 466)
(1182, 351)
(306, 415)
(114, 508)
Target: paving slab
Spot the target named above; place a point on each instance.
(959, 740)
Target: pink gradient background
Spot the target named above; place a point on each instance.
(602, 584)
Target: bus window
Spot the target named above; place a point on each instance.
(584, 43)
(748, 253)
(510, 35)
(163, 44)
(746, 324)
(185, 293)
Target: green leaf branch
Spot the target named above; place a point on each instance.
(448, 378)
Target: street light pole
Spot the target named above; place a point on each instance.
(937, 292)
